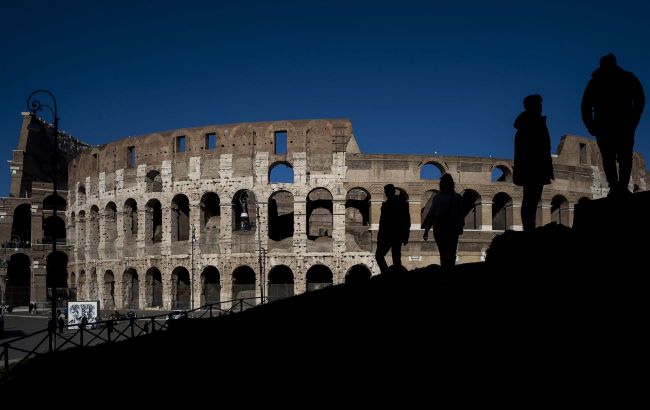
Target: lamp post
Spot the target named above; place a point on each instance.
(261, 253)
(192, 273)
(34, 105)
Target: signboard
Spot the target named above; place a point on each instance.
(79, 310)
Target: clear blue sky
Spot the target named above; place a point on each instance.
(413, 77)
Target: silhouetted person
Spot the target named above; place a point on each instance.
(447, 220)
(60, 320)
(533, 164)
(611, 109)
(394, 227)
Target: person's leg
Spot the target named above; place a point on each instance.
(380, 253)
(396, 248)
(624, 154)
(444, 248)
(532, 195)
(608, 153)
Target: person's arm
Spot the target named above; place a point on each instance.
(586, 108)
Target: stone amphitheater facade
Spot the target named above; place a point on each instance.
(209, 214)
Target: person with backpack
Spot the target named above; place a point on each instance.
(447, 220)
(611, 108)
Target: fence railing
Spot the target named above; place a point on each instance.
(17, 351)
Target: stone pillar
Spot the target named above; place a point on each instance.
(300, 224)
(165, 244)
(517, 224)
(142, 230)
(101, 245)
(141, 178)
(486, 216)
(338, 232)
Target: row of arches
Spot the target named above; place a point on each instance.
(133, 291)
(434, 171)
(280, 207)
(282, 172)
(53, 226)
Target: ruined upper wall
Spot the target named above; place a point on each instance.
(318, 138)
(32, 164)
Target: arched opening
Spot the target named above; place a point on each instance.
(18, 281)
(244, 221)
(472, 209)
(154, 181)
(81, 234)
(584, 200)
(181, 288)
(82, 290)
(357, 220)
(560, 210)
(243, 285)
(358, 274)
(154, 288)
(131, 287)
(153, 222)
(93, 235)
(56, 273)
(318, 277)
(52, 201)
(54, 229)
(210, 223)
(244, 215)
(109, 290)
(501, 212)
(281, 221)
(21, 227)
(92, 285)
(320, 220)
(81, 195)
(636, 188)
(426, 200)
(501, 173)
(280, 282)
(180, 218)
(110, 228)
(281, 173)
(211, 286)
(130, 222)
(431, 170)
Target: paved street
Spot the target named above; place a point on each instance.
(19, 324)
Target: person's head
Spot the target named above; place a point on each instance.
(533, 104)
(608, 61)
(447, 183)
(389, 190)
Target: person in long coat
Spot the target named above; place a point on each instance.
(533, 166)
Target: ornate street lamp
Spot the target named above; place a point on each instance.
(34, 105)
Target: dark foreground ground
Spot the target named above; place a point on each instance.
(557, 316)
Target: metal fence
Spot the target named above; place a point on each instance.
(16, 351)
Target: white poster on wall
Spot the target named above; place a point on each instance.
(77, 311)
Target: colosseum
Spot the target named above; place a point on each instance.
(267, 209)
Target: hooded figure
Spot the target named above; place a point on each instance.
(612, 105)
(533, 166)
